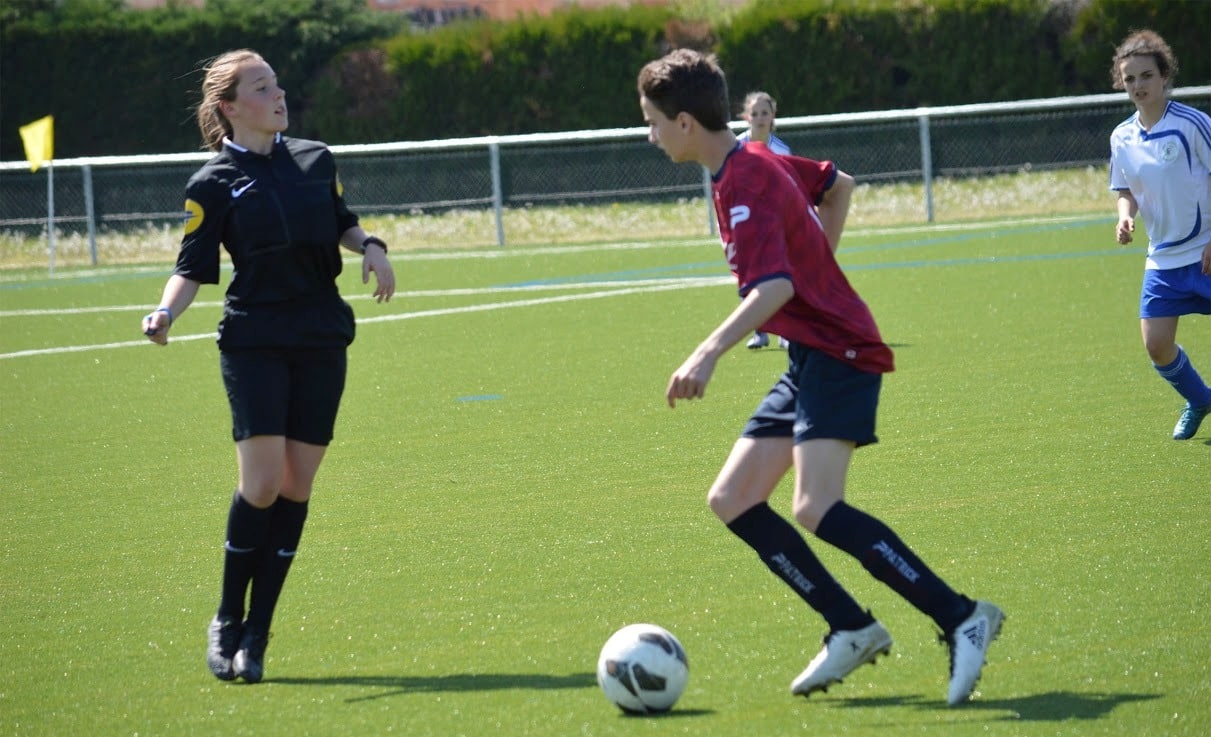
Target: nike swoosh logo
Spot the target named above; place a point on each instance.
(233, 549)
(284, 553)
(235, 193)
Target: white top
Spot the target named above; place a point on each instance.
(776, 144)
(1168, 171)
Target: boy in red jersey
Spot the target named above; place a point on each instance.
(780, 219)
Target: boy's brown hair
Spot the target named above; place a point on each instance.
(687, 81)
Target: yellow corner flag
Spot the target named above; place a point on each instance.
(39, 140)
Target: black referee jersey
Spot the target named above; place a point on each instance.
(280, 217)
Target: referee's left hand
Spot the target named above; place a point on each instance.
(384, 276)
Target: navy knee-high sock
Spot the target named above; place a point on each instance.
(787, 554)
(285, 531)
(887, 558)
(247, 530)
(1183, 377)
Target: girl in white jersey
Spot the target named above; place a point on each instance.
(759, 110)
(1160, 166)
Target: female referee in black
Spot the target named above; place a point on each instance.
(275, 204)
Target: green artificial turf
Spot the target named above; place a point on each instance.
(507, 488)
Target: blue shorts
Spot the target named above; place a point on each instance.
(818, 397)
(1173, 292)
(293, 392)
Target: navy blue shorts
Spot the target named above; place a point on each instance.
(1175, 292)
(293, 392)
(818, 397)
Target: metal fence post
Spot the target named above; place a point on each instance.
(86, 173)
(926, 166)
(498, 198)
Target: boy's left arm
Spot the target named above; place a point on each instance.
(834, 208)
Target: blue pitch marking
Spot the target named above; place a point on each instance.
(987, 260)
(977, 235)
(653, 272)
(106, 278)
(718, 267)
(480, 398)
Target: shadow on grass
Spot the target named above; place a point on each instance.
(1058, 706)
(673, 713)
(396, 685)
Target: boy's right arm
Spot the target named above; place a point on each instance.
(690, 379)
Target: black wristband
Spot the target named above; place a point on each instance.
(373, 241)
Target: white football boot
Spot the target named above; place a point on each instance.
(968, 644)
(844, 651)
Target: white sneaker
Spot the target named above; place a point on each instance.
(968, 644)
(783, 343)
(844, 651)
(759, 340)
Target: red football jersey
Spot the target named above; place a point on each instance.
(765, 204)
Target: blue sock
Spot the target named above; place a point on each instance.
(1182, 375)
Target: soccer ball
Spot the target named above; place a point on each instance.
(642, 669)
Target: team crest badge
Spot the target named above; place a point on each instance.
(1170, 151)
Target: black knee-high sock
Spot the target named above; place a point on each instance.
(785, 552)
(888, 559)
(247, 530)
(285, 530)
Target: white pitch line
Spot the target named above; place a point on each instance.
(628, 288)
(401, 257)
(458, 292)
(684, 284)
(553, 250)
(96, 346)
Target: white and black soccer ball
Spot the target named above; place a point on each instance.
(642, 669)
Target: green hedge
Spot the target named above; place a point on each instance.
(847, 56)
(568, 71)
(1089, 44)
(122, 81)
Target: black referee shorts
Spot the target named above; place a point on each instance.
(818, 397)
(293, 392)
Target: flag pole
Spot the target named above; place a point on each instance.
(50, 211)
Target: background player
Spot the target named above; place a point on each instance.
(1160, 166)
(760, 109)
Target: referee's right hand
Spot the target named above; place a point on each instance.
(155, 327)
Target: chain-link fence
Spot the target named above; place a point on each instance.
(597, 167)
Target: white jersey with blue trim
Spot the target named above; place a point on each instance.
(1168, 171)
(776, 144)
